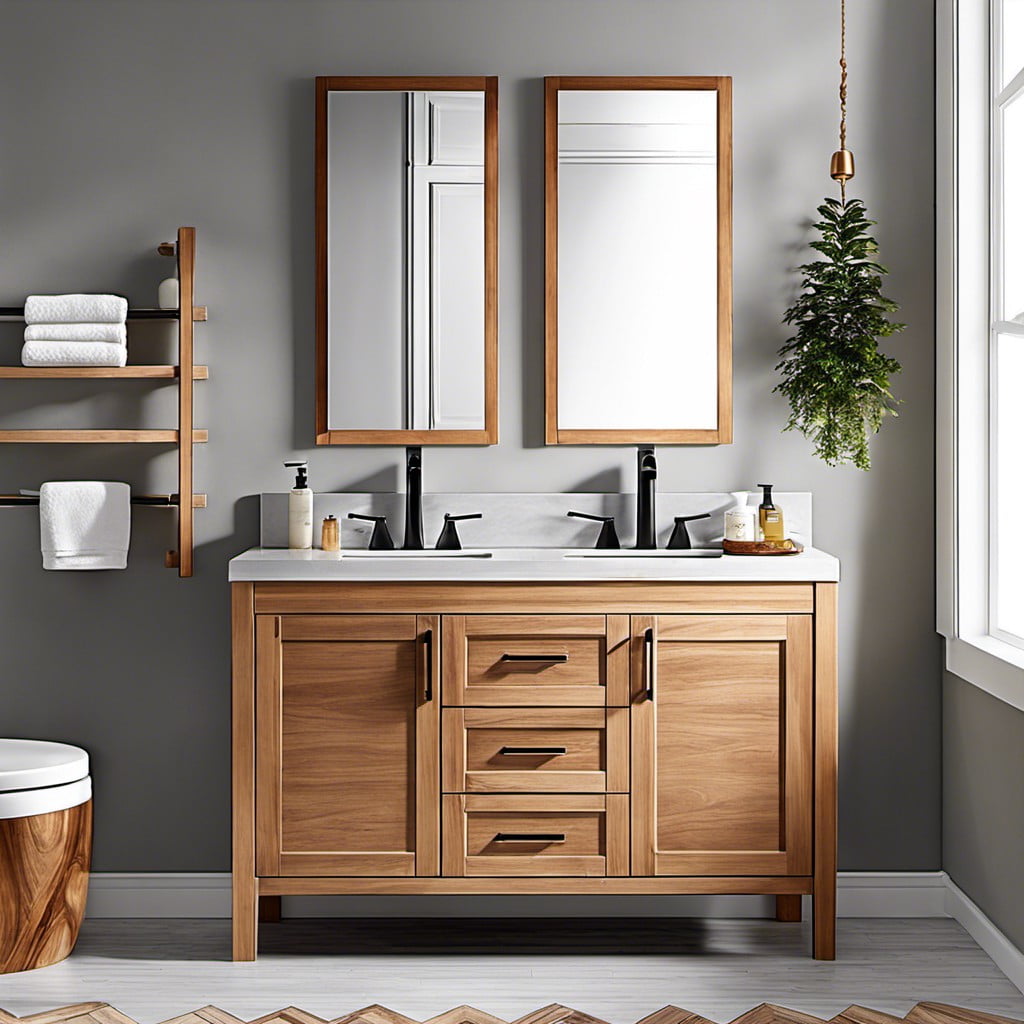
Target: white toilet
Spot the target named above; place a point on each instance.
(45, 850)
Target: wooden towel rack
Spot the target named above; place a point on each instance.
(185, 372)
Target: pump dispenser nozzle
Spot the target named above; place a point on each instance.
(301, 474)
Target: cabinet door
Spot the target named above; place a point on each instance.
(722, 744)
(347, 773)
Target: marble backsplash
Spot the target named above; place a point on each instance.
(525, 520)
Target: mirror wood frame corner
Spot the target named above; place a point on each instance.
(722, 305)
(488, 435)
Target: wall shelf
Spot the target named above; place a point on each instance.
(14, 314)
(184, 373)
(98, 372)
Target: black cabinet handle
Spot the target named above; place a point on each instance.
(530, 837)
(540, 751)
(650, 663)
(554, 659)
(428, 645)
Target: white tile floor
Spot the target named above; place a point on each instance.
(618, 970)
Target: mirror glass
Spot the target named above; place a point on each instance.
(406, 318)
(639, 261)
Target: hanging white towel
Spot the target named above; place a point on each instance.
(84, 524)
(75, 309)
(73, 353)
(116, 334)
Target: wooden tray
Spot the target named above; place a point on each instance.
(762, 547)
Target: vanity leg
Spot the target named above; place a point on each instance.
(270, 909)
(244, 883)
(826, 768)
(787, 907)
(244, 918)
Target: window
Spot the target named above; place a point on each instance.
(980, 327)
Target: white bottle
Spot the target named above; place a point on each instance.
(741, 519)
(167, 293)
(300, 509)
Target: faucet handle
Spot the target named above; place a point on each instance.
(680, 535)
(449, 538)
(380, 539)
(607, 539)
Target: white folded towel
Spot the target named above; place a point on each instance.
(84, 524)
(75, 309)
(73, 353)
(115, 333)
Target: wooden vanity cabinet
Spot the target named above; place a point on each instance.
(606, 737)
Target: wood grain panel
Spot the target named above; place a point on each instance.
(348, 747)
(826, 767)
(243, 774)
(44, 879)
(718, 746)
(612, 597)
(348, 627)
(634, 886)
(428, 747)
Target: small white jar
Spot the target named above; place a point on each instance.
(741, 519)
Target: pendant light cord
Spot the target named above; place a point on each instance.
(842, 89)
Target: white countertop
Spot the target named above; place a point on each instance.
(262, 565)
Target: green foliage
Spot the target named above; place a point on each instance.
(836, 379)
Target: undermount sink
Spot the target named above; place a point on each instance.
(631, 553)
(432, 553)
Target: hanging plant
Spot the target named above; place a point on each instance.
(835, 377)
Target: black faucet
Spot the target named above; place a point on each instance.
(646, 475)
(413, 499)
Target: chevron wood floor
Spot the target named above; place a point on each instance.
(618, 970)
(766, 1013)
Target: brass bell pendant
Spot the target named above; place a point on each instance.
(841, 167)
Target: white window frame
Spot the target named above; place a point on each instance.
(964, 312)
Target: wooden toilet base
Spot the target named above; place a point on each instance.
(44, 878)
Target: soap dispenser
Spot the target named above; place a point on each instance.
(300, 509)
(769, 517)
(740, 519)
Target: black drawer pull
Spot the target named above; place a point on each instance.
(530, 837)
(555, 659)
(550, 751)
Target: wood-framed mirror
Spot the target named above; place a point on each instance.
(638, 260)
(407, 260)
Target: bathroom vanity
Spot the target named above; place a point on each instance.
(534, 721)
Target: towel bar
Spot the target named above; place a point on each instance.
(159, 500)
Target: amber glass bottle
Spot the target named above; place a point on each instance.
(769, 516)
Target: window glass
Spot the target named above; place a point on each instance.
(1012, 215)
(1009, 468)
(1013, 40)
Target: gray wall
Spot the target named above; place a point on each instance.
(122, 120)
(982, 809)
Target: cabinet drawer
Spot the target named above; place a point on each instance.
(532, 660)
(532, 835)
(535, 750)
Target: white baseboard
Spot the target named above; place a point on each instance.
(1004, 954)
(861, 894)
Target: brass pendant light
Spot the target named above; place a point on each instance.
(841, 166)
